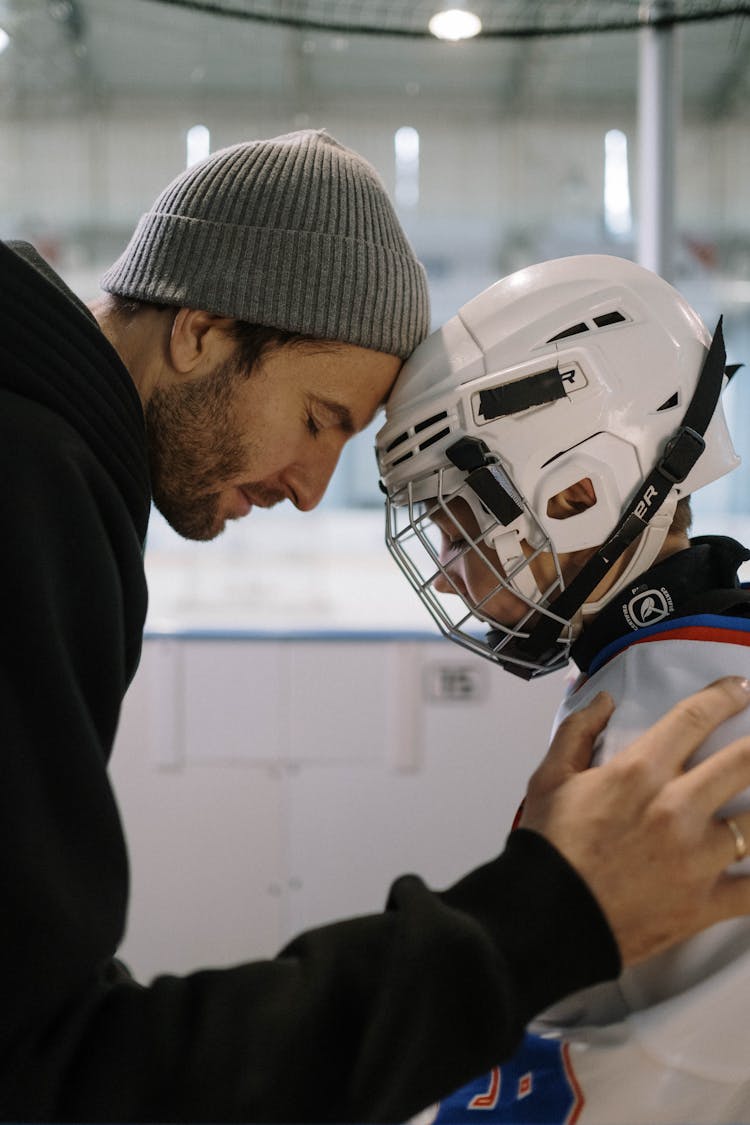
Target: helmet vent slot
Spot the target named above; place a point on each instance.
(430, 421)
(423, 425)
(670, 403)
(435, 437)
(574, 330)
(397, 441)
(605, 319)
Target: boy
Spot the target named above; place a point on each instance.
(549, 436)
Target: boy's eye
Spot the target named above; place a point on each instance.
(452, 542)
(312, 426)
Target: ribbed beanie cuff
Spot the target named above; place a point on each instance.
(295, 233)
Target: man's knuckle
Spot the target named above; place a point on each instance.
(693, 712)
(670, 820)
(636, 772)
(572, 724)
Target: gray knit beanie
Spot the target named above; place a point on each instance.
(296, 233)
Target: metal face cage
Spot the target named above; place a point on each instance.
(414, 540)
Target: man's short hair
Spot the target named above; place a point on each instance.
(253, 340)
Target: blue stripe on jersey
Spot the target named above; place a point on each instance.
(698, 620)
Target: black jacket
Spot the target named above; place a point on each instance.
(369, 1019)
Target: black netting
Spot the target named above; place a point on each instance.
(506, 19)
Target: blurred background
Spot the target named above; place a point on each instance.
(519, 144)
(563, 126)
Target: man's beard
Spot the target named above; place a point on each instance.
(194, 446)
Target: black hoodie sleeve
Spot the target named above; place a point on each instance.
(365, 1020)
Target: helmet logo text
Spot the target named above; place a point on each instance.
(642, 507)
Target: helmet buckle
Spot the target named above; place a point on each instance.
(681, 453)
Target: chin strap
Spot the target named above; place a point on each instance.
(539, 651)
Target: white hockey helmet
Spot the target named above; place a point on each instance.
(583, 367)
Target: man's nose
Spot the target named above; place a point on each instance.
(309, 482)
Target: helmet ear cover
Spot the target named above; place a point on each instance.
(615, 472)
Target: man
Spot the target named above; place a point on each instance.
(571, 410)
(256, 320)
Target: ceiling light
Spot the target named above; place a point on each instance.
(4, 39)
(198, 144)
(455, 24)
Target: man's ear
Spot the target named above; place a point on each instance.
(572, 500)
(198, 340)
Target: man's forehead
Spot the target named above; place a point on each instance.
(366, 390)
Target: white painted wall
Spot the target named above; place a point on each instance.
(267, 786)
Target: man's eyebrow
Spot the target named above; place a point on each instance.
(339, 414)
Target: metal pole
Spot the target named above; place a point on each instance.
(659, 89)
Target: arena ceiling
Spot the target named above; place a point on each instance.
(535, 54)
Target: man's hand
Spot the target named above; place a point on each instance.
(641, 831)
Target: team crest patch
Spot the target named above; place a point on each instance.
(647, 607)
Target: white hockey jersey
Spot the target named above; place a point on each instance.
(669, 1041)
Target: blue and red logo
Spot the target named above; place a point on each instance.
(536, 1086)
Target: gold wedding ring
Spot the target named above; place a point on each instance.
(740, 843)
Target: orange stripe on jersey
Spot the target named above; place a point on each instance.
(700, 633)
(570, 1074)
(682, 633)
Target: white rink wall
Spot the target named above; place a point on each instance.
(298, 735)
(269, 785)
